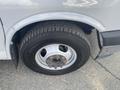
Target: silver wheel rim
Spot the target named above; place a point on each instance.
(55, 56)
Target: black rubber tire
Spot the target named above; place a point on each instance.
(54, 32)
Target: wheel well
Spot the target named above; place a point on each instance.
(20, 34)
(87, 29)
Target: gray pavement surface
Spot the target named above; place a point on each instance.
(102, 74)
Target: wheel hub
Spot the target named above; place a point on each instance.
(56, 61)
(55, 56)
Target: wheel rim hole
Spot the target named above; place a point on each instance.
(43, 52)
(63, 48)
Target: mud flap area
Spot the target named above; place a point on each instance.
(111, 43)
(14, 54)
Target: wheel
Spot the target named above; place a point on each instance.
(55, 48)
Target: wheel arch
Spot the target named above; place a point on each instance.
(67, 16)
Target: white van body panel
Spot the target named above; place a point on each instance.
(101, 14)
(105, 12)
(3, 54)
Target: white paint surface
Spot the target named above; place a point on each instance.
(17, 2)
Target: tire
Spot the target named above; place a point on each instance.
(53, 33)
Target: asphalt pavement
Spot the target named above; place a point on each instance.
(102, 74)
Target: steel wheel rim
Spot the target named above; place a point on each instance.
(55, 56)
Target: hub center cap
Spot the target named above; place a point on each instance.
(56, 61)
